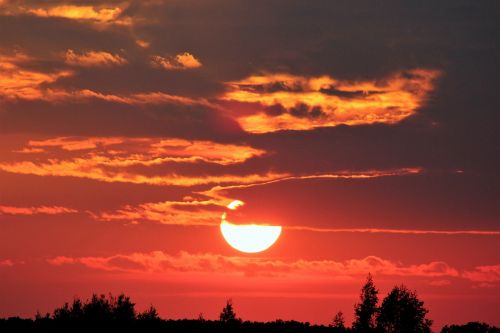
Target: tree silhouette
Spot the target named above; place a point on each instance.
(97, 309)
(366, 310)
(149, 315)
(402, 312)
(227, 314)
(338, 322)
(122, 308)
(471, 327)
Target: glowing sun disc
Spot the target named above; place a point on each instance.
(250, 238)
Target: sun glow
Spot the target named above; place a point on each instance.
(248, 238)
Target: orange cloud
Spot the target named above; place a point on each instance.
(179, 62)
(94, 58)
(160, 262)
(110, 160)
(149, 151)
(187, 213)
(290, 102)
(16, 82)
(102, 14)
(50, 210)
(92, 169)
(142, 43)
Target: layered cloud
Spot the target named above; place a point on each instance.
(119, 159)
(159, 262)
(22, 83)
(290, 102)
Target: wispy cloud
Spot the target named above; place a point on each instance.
(148, 151)
(208, 212)
(219, 190)
(112, 159)
(94, 59)
(289, 102)
(186, 213)
(488, 274)
(49, 210)
(397, 231)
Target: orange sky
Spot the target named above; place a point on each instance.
(369, 133)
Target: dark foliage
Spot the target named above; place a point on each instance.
(365, 311)
(472, 327)
(402, 312)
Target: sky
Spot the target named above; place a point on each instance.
(369, 131)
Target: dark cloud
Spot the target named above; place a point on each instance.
(332, 91)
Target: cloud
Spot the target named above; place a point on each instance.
(290, 102)
(486, 274)
(219, 190)
(151, 151)
(187, 213)
(6, 262)
(398, 231)
(90, 169)
(160, 262)
(102, 13)
(20, 83)
(181, 61)
(49, 210)
(94, 59)
(190, 212)
(133, 160)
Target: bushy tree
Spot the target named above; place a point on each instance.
(366, 310)
(227, 314)
(402, 312)
(149, 315)
(338, 322)
(122, 308)
(98, 308)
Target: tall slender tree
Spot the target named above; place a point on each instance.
(365, 311)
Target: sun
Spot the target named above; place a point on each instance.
(248, 238)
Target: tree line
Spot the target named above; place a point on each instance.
(401, 311)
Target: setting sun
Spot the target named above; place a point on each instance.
(249, 238)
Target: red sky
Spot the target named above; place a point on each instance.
(368, 132)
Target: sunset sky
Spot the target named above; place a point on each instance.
(369, 131)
